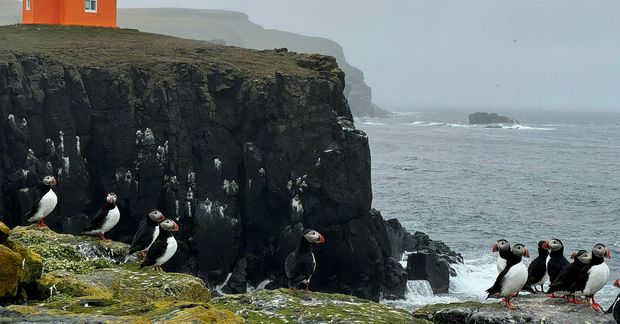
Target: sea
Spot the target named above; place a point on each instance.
(556, 175)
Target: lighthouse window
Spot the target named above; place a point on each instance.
(91, 5)
(27, 4)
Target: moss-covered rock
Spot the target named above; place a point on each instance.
(4, 232)
(20, 268)
(10, 262)
(291, 306)
(88, 280)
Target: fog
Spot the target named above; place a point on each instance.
(553, 54)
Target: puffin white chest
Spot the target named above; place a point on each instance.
(514, 280)
(114, 215)
(155, 235)
(46, 205)
(598, 276)
(501, 264)
(171, 249)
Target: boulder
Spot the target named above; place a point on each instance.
(481, 118)
(20, 269)
(428, 266)
(395, 283)
(4, 232)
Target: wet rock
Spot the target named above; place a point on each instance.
(395, 283)
(532, 309)
(429, 267)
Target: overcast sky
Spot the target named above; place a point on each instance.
(554, 54)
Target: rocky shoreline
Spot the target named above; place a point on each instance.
(77, 279)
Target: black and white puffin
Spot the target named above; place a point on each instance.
(615, 307)
(556, 260)
(164, 247)
(147, 234)
(105, 219)
(512, 279)
(503, 247)
(300, 264)
(595, 276)
(566, 281)
(46, 203)
(537, 270)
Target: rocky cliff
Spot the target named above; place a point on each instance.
(77, 279)
(235, 29)
(245, 147)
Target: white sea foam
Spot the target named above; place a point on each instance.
(493, 126)
(373, 123)
(473, 278)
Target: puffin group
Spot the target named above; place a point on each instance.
(582, 279)
(154, 241)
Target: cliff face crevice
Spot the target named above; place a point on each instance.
(244, 157)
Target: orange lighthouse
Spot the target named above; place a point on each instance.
(100, 13)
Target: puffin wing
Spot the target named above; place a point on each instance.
(157, 250)
(536, 270)
(298, 267)
(97, 221)
(565, 279)
(581, 279)
(34, 210)
(555, 266)
(497, 286)
(142, 238)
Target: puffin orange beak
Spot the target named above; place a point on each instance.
(546, 245)
(55, 182)
(573, 255)
(321, 238)
(494, 247)
(161, 218)
(617, 283)
(176, 227)
(527, 253)
(608, 254)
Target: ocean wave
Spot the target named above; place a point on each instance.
(495, 126)
(372, 123)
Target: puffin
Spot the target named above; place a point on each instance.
(595, 276)
(615, 307)
(566, 280)
(512, 279)
(556, 260)
(537, 270)
(105, 219)
(301, 263)
(147, 234)
(164, 247)
(503, 247)
(46, 203)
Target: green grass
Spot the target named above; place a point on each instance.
(110, 48)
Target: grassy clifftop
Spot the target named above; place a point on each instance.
(113, 47)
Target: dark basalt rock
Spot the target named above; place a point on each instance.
(429, 267)
(243, 162)
(481, 118)
(402, 241)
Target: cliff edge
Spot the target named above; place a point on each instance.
(246, 147)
